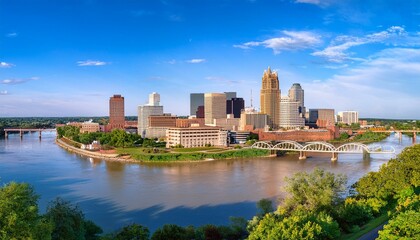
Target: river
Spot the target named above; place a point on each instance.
(114, 194)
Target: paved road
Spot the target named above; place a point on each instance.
(372, 234)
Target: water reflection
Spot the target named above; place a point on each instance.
(113, 193)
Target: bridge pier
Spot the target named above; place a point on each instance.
(302, 155)
(414, 137)
(40, 134)
(334, 156)
(366, 155)
(6, 135)
(21, 133)
(400, 136)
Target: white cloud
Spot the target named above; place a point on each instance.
(337, 51)
(291, 40)
(91, 63)
(6, 65)
(172, 61)
(14, 81)
(196, 60)
(12, 35)
(321, 3)
(384, 86)
(4, 92)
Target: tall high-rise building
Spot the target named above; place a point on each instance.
(196, 100)
(270, 97)
(152, 108)
(230, 95)
(348, 117)
(116, 112)
(296, 94)
(154, 99)
(235, 106)
(214, 107)
(289, 114)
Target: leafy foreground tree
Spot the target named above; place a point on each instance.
(130, 232)
(19, 218)
(306, 211)
(69, 222)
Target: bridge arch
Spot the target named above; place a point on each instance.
(288, 145)
(354, 147)
(319, 147)
(262, 145)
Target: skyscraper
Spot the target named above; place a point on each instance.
(235, 106)
(296, 94)
(270, 97)
(152, 108)
(348, 117)
(116, 112)
(214, 106)
(289, 114)
(196, 100)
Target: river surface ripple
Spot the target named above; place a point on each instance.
(114, 194)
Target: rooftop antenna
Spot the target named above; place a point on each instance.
(251, 99)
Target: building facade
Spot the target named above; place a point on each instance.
(297, 94)
(348, 117)
(251, 120)
(145, 111)
(196, 137)
(290, 118)
(322, 117)
(116, 112)
(235, 106)
(196, 100)
(270, 97)
(214, 107)
(89, 127)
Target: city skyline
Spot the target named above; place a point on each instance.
(66, 59)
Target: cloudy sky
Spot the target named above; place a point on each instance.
(66, 58)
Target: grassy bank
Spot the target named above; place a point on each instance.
(139, 154)
(367, 137)
(372, 224)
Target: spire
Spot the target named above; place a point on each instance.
(269, 70)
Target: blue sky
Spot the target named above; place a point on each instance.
(67, 57)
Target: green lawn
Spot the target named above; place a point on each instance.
(372, 224)
(196, 149)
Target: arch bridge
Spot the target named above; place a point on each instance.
(324, 147)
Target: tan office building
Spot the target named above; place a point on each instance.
(196, 137)
(214, 107)
(270, 97)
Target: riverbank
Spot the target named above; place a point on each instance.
(136, 155)
(365, 138)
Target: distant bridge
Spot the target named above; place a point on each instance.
(323, 147)
(21, 131)
(398, 132)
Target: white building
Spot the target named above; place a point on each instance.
(348, 117)
(150, 109)
(196, 137)
(290, 118)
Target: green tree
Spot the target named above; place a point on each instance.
(301, 224)
(264, 206)
(169, 232)
(132, 232)
(69, 221)
(19, 218)
(404, 226)
(315, 191)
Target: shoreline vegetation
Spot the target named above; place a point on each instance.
(314, 208)
(365, 138)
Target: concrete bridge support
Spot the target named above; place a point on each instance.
(414, 137)
(40, 134)
(302, 155)
(21, 133)
(366, 155)
(6, 134)
(334, 156)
